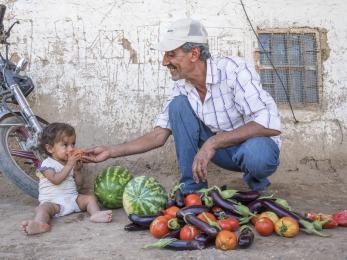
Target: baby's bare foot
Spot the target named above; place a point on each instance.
(32, 227)
(102, 216)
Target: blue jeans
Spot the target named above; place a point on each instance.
(257, 157)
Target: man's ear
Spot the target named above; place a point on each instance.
(195, 54)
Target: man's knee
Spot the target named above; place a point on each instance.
(260, 157)
(179, 103)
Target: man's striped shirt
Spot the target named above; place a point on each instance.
(234, 97)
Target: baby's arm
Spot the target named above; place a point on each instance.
(78, 174)
(58, 177)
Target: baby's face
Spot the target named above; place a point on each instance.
(61, 150)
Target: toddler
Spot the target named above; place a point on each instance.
(59, 174)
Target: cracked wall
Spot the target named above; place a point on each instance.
(93, 66)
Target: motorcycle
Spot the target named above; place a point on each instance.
(20, 128)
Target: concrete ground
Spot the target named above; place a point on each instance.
(74, 237)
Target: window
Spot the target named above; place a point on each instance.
(295, 54)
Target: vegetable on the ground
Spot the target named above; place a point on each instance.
(141, 220)
(134, 227)
(231, 224)
(159, 227)
(192, 199)
(246, 237)
(175, 244)
(195, 209)
(189, 232)
(264, 226)
(201, 225)
(226, 240)
(171, 211)
(287, 227)
(341, 218)
(269, 214)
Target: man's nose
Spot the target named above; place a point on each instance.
(165, 61)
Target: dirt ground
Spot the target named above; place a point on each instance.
(74, 237)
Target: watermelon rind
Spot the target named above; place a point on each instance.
(144, 195)
(109, 186)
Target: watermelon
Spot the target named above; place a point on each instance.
(144, 195)
(109, 186)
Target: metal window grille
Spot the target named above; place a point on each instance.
(295, 56)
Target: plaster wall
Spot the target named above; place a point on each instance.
(93, 67)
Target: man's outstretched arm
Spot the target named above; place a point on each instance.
(154, 139)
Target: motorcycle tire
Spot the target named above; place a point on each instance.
(19, 171)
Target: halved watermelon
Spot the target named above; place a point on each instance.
(109, 186)
(144, 195)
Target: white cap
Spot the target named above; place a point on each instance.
(180, 32)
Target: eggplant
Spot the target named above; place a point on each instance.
(202, 237)
(179, 197)
(228, 205)
(225, 214)
(142, 220)
(173, 234)
(195, 209)
(134, 227)
(246, 237)
(256, 206)
(306, 226)
(203, 226)
(246, 196)
(186, 245)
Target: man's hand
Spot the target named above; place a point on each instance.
(201, 160)
(97, 154)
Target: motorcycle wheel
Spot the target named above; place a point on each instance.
(21, 171)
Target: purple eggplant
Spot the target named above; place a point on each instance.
(186, 245)
(142, 220)
(246, 196)
(204, 238)
(246, 237)
(134, 227)
(201, 225)
(235, 208)
(179, 197)
(195, 209)
(256, 206)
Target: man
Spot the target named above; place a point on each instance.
(217, 111)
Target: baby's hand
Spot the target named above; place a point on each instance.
(73, 157)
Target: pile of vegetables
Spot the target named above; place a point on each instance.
(223, 217)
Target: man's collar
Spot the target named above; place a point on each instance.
(212, 73)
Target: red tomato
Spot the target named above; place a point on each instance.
(341, 218)
(231, 224)
(216, 209)
(171, 211)
(312, 216)
(331, 223)
(209, 215)
(159, 227)
(264, 226)
(189, 232)
(192, 199)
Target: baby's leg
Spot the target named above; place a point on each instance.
(90, 204)
(40, 224)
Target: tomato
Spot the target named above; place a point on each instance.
(189, 232)
(231, 224)
(341, 218)
(264, 226)
(209, 215)
(330, 224)
(269, 214)
(159, 227)
(76, 151)
(226, 240)
(171, 211)
(287, 227)
(192, 199)
(255, 219)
